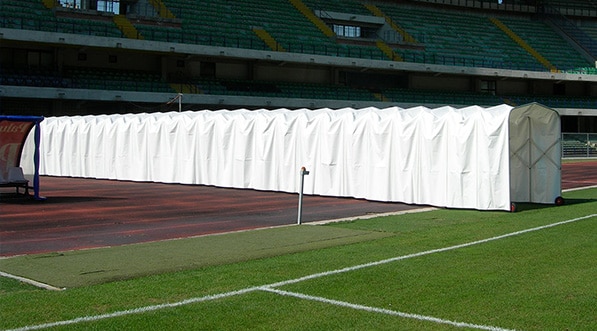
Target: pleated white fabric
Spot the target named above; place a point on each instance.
(442, 157)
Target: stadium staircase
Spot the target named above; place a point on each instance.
(218, 23)
(209, 86)
(50, 3)
(406, 37)
(308, 13)
(388, 51)
(161, 8)
(523, 44)
(547, 42)
(381, 97)
(454, 38)
(571, 29)
(127, 28)
(186, 88)
(269, 40)
(331, 44)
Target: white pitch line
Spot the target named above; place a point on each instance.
(384, 311)
(30, 282)
(136, 310)
(579, 188)
(432, 251)
(291, 281)
(369, 216)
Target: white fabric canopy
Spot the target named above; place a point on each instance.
(535, 154)
(457, 158)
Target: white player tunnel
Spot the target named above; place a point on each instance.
(472, 157)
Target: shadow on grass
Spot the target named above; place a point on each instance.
(525, 206)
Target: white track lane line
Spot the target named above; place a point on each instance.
(384, 311)
(291, 281)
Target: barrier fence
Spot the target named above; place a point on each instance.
(579, 145)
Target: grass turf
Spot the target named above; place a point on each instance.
(535, 281)
(94, 266)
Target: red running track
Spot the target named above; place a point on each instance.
(579, 174)
(86, 213)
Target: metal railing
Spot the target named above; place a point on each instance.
(579, 145)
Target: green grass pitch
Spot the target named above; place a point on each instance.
(437, 270)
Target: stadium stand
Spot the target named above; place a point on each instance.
(117, 80)
(590, 28)
(350, 6)
(42, 77)
(442, 97)
(550, 45)
(450, 39)
(579, 145)
(32, 15)
(296, 52)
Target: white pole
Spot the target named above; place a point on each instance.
(300, 204)
(531, 165)
(179, 102)
(179, 97)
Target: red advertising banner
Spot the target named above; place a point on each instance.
(12, 137)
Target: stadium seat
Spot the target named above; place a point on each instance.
(15, 179)
(543, 39)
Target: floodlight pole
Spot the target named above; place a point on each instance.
(300, 203)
